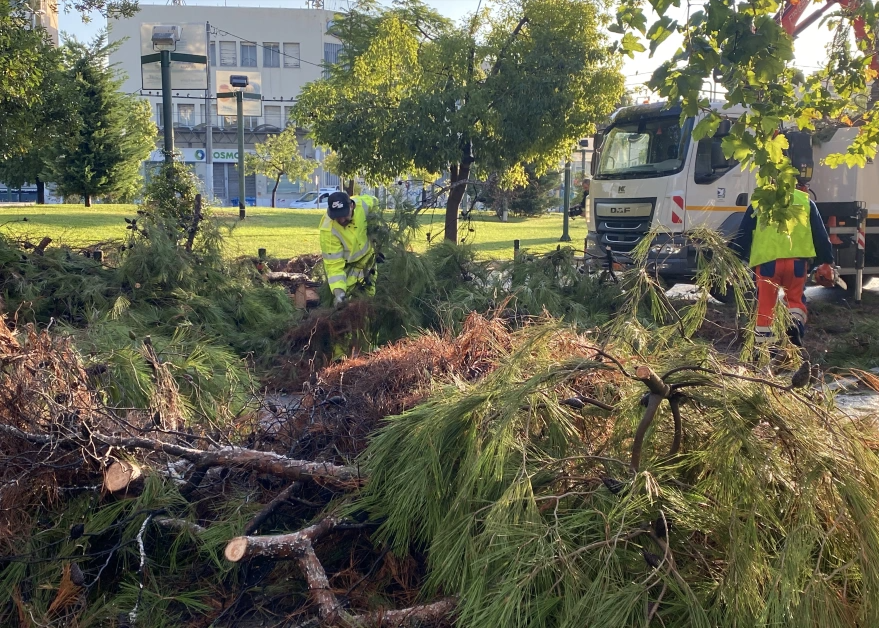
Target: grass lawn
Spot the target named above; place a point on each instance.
(282, 232)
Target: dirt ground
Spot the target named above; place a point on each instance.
(840, 333)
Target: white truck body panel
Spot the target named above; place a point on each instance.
(844, 184)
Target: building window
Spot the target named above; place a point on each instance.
(331, 56)
(287, 112)
(273, 115)
(248, 55)
(251, 122)
(291, 55)
(271, 55)
(212, 52)
(159, 120)
(215, 119)
(186, 115)
(227, 53)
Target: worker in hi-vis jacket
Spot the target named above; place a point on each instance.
(781, 261)
(348, 256)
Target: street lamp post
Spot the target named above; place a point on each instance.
(566, 206)
(239, 82)
(239, 106)
(167, 108)
(164, 39)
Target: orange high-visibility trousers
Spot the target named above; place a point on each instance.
(788, 275)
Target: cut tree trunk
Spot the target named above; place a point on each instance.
(88, 200)
(275, 189)
(123, 476)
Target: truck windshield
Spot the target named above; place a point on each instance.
(648, 147)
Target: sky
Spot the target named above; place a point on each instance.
(809, 49)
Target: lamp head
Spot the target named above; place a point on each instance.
(238, 81)
(165, 37)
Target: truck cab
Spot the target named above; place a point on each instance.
(650, 174)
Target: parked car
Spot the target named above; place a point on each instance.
(310, 200)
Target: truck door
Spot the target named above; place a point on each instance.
(718, 191)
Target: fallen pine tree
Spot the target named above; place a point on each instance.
(534, 478)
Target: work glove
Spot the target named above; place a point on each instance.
(826, 275)
(340, 297)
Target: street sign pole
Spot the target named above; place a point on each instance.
(209, 126)
(566, 207)
(167, 108)
(239, 101)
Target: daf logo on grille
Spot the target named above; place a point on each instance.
(621, 189)
(620, 210)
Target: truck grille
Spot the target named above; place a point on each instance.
(621, 234)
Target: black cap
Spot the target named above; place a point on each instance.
(338, 205)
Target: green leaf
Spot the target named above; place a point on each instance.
(775, 148)
(631, 44)
(707, 126)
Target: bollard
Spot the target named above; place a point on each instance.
(261, 253)
(98, 255)
(515, 249)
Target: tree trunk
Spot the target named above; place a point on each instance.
(275, 189)
(458, 178)
(874, 95)
(349, 187)
(125, 476)
(88, 200)
(41, 192)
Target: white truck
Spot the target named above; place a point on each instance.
(648, 174)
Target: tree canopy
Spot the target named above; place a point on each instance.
(414, 92)
(27, 60)
(279, 156)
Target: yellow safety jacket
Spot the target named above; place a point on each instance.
(769, 245)
(347, 253)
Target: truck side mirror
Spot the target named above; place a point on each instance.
(597, 141)
(718, 159)
(723, 128)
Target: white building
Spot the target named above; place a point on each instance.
(287, 47)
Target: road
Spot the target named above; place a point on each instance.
(814, 293)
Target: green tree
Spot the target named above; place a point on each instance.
(415, 93)
(48, 119)
(531, 199)
(102, 151)
(27, 58)
(278, 156)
